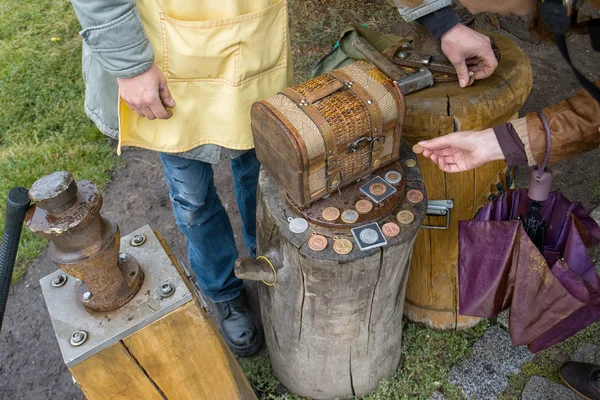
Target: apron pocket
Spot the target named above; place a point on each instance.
(231, 50)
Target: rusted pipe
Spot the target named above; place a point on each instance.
(84, 244)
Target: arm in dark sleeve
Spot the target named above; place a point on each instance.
(440, 21)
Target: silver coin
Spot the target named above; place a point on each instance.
(393, 177)
(368, 236)
(298, 225)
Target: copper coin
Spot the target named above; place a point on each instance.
(349, 216)
(405, 217)
(417, 149)
(377, 189)
(331, 214)
(414, 196)
(390, 229)
(363, 206)
(317, 242)
(342, 246)
(410, 163)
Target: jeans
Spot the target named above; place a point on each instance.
(204, 222)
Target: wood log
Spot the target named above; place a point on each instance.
(432, 293)
(333, 323)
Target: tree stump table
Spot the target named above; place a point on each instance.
(333, 322)
(432, 293)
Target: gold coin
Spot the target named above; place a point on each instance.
(417, 149)
(414, 196)
(410, 163)
(390, 229)
(405, 217)
(349, 216)
(377, 189)
(317, 242)
(363, 206)
(342, 246)
(330, 214)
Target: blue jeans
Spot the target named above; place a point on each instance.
(204, 222)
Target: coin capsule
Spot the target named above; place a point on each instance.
(377, 189)
(363, 206)
(368, 236)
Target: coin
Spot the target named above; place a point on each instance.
(414, 196)
(317, 242)
(298, 225)
(377, 189)
(331, 214)
(393, 177)
(410, 163)
(405, 217)
(417, 149)
(390, 229)
(349, 216)
(363, 206)
(368, 236)
(342, 246)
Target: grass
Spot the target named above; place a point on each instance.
(42, 124)
(427, 356)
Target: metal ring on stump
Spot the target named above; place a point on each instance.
(432, 293)
(333, 319)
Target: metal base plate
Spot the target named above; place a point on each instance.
(107, 328)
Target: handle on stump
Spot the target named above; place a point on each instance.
(17, 204)
(261, 268)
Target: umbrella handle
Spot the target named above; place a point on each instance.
(541, 177)
(17, 204)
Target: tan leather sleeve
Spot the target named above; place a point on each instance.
(574, 126)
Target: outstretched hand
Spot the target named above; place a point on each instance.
(469, 51)
(463, 151)
(147, 94)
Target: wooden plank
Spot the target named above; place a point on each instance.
(113, 374)
(185, 356)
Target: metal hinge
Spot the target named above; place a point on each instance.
(439, 208)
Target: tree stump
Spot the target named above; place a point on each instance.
(333, 323)
(432, 293)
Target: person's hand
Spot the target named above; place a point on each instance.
(462, 151)
(147, 94)
(469, 51)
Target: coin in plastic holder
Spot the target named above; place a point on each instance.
(411, 163)
(375, 186)
(414, 196)
(377, 189)
(317, 242)
(363, 206)
(405, 217)
(393, 177)
(342, 246)
(369, 236)
(350, 216)
(330, 214)
(298, 225)
(390, 229)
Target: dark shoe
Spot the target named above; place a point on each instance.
(238, 327)
(582, 378)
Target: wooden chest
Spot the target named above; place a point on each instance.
(330, 131)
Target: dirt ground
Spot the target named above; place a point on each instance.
(31, 366)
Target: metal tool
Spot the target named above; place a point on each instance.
(439, 208)
(17, 204)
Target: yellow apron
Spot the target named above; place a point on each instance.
(218, 57)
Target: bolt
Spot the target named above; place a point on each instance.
(78, 338)
(59, 280)
(87, 296)
(138, 239)
(166, 290)
(403, 54)
(426, 60)
(122, 257)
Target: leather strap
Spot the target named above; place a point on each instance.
(332, 168)
(324, 91)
